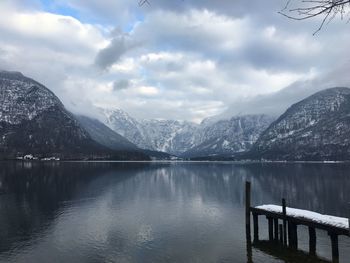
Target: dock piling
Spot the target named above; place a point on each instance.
(281, 233)
(256, 227)
(349, 217)
(270, 220)
(284, 212)
(312, 240)
(292, 235)
(335, 247)
(247, 206)
(275, 222)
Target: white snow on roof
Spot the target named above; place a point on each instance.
(309, 215)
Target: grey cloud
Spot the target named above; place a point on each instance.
(188, 84)
(119, 46)
(190, 34)
(2, 52)
(121, 84)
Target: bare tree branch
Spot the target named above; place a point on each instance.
(328, 9)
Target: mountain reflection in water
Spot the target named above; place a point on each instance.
(154, 212)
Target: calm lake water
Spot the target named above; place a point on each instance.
(159, 212)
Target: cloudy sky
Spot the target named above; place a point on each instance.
(175, 59)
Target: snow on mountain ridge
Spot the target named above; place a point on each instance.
(34, 122)
(179, 137)
(169, 136)
(226, 137)
(316, 128)
(31, 98)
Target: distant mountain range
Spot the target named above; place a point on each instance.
(170, 136)
(186, 139)
(34, 122)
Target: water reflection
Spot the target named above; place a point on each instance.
(287, 255)
(139, 212)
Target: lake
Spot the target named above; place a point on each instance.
(157, 212)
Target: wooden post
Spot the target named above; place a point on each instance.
(295, 236)
(335, 248)
(247, 207)
(256, 227)
(284, 211)
(270, 220)
(281, 233)
(312, 240)
(275, 222)
(292, 235)
(349, 217)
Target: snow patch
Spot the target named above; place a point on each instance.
(309, 215)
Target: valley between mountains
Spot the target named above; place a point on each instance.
(34, 122)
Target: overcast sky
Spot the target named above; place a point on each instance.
(175, 59)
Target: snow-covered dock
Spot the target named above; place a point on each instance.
(335, 221)
(286, 233)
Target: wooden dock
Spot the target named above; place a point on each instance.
(283, 225)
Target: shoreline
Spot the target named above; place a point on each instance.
(178, 161)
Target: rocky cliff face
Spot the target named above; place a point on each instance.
(316, 128)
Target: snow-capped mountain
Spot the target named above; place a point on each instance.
(188, 139)
(169, 136)
(125, 125)
(34, 122)
(316, 128)
(22, 98)
(227, 137)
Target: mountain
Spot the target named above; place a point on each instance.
(34, 121)
(111, 139)
(316, 128)
(228, 137)
(125, 125)
(104, 135)
(186, 139)
(169, 136)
